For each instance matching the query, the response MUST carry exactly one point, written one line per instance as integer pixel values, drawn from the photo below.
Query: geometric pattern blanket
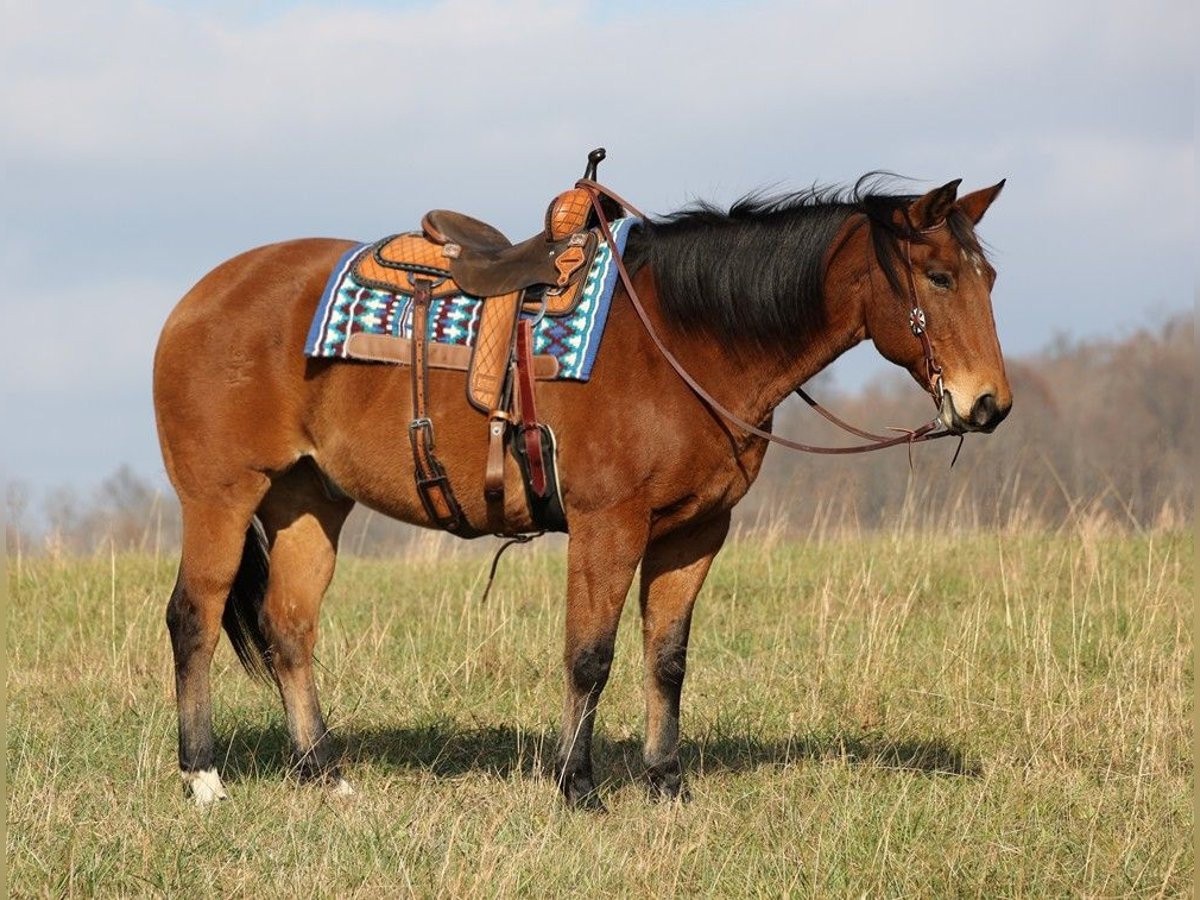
(348, 308)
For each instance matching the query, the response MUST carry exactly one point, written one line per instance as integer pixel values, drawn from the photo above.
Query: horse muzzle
(986, 413)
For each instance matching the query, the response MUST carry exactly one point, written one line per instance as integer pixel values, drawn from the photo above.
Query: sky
(143, 143)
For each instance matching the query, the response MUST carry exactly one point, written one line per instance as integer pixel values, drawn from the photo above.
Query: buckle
(441, 479)
(536, 318)
(419, 280)
(936, 384)
(423, 424)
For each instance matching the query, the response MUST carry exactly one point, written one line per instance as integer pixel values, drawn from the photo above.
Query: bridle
(916, 323)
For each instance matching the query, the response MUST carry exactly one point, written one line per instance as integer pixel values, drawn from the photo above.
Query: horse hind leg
(302, 525)
(673, 571)
(219, 558)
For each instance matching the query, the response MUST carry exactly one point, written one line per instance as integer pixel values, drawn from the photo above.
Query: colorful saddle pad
(347, 308)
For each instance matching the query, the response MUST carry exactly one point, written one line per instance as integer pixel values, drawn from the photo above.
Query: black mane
(757, 272)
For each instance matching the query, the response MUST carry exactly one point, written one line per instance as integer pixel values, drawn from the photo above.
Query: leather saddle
(457, 254)
(460, 254)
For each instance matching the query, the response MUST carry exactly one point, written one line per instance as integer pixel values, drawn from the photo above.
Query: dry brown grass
(998, 713)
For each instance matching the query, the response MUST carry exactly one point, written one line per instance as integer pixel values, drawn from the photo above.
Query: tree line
(1103, 430)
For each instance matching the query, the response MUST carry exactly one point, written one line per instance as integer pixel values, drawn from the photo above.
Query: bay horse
(752, 302)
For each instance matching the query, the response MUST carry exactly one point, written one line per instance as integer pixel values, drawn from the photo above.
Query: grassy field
(877, 715)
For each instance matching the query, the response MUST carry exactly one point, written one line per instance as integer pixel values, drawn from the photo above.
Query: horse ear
(976, 203)
(932, 209)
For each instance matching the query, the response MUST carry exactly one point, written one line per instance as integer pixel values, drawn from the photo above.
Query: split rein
(916, 322)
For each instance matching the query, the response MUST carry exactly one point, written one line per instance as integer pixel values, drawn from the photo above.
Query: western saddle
(456, 254)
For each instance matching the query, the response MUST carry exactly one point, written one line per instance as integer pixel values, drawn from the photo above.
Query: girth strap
(433, 486)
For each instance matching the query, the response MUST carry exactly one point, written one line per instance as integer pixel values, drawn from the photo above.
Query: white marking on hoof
(342, 789)
(205, 786)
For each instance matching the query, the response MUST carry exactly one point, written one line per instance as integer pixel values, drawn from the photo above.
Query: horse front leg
(673, 571)
(603, 554)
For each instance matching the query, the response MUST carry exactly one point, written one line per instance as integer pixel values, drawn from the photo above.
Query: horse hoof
(579, 792)
(588, 802)
(341, 788)
(667, 787)
(679, 793)
(204, 787)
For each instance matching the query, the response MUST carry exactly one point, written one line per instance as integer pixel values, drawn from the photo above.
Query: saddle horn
(612, 209)
(593, 163)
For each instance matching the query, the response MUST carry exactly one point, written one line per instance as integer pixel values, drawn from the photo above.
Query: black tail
(241, 616)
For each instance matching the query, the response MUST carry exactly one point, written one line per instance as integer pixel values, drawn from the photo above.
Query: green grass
(878, 715)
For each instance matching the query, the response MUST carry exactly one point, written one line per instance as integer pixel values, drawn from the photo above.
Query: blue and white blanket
(347, 308)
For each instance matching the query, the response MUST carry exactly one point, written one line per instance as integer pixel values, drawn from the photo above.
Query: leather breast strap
(433, 485)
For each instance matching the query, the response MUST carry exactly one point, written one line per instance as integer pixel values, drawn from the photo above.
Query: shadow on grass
(447, 749)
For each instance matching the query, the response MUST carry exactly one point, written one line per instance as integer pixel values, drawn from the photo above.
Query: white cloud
(123, 82)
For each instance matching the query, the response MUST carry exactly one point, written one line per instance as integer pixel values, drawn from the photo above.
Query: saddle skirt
(365, 311)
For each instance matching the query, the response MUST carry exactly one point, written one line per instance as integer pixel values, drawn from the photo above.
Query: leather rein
(916, 322)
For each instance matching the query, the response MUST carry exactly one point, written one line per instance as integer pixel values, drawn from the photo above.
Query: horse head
(938, 273)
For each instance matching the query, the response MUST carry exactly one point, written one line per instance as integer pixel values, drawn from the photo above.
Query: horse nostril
(986, 414)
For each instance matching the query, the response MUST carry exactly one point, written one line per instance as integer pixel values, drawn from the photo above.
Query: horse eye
(941, 280)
